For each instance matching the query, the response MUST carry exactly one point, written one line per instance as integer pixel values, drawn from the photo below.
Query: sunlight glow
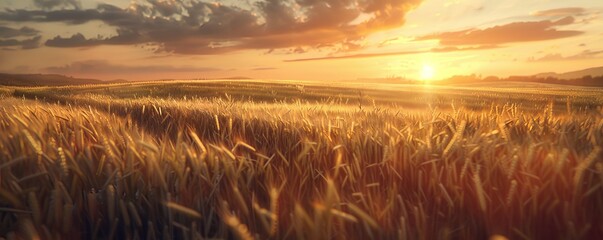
(427, 73)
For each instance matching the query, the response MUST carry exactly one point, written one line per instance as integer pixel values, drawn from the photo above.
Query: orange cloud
(367, 55)
(508, 33)
(370, 55)
(560, 12)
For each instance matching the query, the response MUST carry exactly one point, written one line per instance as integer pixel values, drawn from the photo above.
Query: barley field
(283, 160)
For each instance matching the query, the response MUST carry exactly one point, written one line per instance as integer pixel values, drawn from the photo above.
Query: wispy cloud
(560, 12)
(364, 55)
(507, 33)
(371, 55)
(101, 67)
(586, 54)
(264, 69)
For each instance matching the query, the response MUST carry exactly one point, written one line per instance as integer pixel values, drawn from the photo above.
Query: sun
(427, 73)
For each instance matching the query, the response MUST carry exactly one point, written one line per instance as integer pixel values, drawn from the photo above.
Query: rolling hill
(593, 72)
(28, 80)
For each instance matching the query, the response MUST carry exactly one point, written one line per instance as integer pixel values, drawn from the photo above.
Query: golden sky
(299, 39)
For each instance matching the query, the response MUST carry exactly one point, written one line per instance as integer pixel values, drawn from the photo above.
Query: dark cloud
(586, 54)
(30, 43)
(204, 27)
(101, 67)
(508, 33)
(50, 4)
(78, 40)
(7, 32)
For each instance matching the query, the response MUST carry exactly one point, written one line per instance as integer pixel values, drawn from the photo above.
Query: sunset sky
(299, 39)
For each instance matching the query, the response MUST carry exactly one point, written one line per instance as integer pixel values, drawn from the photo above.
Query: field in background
(280, 160)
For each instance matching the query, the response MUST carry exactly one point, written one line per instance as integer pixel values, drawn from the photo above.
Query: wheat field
(259, 160)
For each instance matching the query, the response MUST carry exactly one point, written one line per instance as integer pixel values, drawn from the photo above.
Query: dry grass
(101, 167)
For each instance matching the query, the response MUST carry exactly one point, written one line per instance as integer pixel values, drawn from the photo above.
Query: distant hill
(592, 77)
(593, 72)
(586, 81)
(389, 80)
(30, 80)
(236, 78)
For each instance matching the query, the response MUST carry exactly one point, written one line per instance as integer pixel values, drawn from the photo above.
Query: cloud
(49, 4)
(207, 27)
(353, 56)
(470, 48)
(264, 69)
(104, 67)
(7, 32)
(508, 33)
(586, 54)
(78, 40)
(30, 43)
(560, 12)
(371, 55)
(388, 42)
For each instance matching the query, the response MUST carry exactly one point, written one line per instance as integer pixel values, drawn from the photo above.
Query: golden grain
(240, 229)
(88, 164)
(479, 191)
(183, 210)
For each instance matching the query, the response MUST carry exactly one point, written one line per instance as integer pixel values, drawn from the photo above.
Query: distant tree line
(583, 81)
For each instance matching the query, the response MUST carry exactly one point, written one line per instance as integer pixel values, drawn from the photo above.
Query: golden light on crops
(241, 159)
(291, 119)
